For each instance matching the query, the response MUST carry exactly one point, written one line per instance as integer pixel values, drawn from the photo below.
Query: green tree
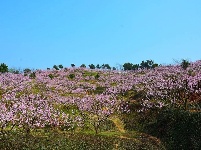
(72, 65)
(32, 75)
(113, 68)
(13, 70)
(98, 66)
(55, 67)
(184, 64)
(106, 66)
(135, 67)
(3, 68)
(128, 66)
(154, 65)
(92, 66)
(147, 64)
(60, 66)
(83, 66)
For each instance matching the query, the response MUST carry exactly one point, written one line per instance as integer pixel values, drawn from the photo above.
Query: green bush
(71, 76)
(51, 76)
(178, 129)
(3, 68)
(75, 141)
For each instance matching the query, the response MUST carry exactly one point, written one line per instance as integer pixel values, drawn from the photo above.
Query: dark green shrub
(32, 75)
(26, 71)
(13, 70)
(91, 66)
(55, 67)
(185, 64)
(3, 68)
(83, 66)
(60, 66)
(51, 76)
(99, 90)
(97, 76)
(178, 129)
(71, 76)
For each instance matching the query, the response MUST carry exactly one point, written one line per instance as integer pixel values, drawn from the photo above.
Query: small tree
(32, 75)
(106, 66)
(184, 64)
(27, 71)
(56, 67)
(154, 66)
(92, 66)
(13, 70)
(128, 66)
(3, 68)
(83, 66)
(113, 68)
(98, 66)
(72, 65)
(135, 67)
(60, 66)
(71, 76)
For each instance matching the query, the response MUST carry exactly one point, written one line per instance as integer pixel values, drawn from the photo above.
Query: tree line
(148, 64)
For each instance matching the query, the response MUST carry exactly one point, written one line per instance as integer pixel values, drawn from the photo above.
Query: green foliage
(51, 76)
(76, 141)
(71, 76)
(60, 66)
(13, 70)
(26, 71)
(98, 66)
(113, 68)
(184, 64)
(154, 66)
(72, 65)
(148, 64)
(3, 68)
(55, 67)
(91, 66)
(177, 128)
(89, 73)
(83, 66)
(128, 66)
(99, 90)
(105, 66)
(32, 75)
(97, 76)
(135, 67)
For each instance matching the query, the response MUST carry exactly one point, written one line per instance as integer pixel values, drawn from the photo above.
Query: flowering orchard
(73, 98)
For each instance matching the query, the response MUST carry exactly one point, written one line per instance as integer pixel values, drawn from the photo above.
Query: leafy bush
(185, 64)
(3, 68)
(51, 76)
(177, 128)
(71, 76)
(56, 67)
(97, 76)
(32, 75)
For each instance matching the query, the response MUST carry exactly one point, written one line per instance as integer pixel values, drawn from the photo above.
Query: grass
(76, 141)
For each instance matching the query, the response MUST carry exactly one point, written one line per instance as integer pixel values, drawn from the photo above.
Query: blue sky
(40, 33)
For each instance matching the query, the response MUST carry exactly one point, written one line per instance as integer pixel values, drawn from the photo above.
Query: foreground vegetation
(80, 108)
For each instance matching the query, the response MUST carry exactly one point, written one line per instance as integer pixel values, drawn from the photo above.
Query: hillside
(97, 103)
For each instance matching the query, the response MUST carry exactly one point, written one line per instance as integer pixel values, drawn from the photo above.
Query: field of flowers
(80, 99)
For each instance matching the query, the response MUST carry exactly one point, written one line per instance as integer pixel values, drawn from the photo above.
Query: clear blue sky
(40, 33)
